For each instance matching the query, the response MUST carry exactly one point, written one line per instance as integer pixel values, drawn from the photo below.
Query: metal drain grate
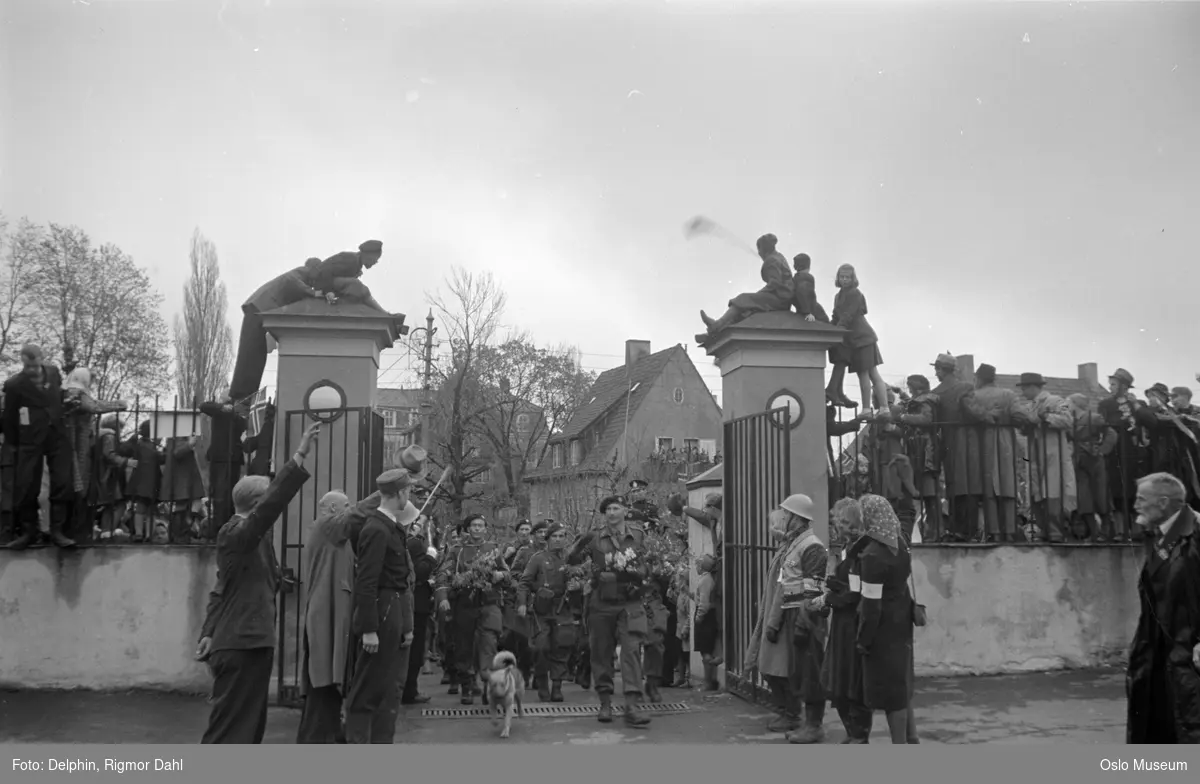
(554, 711)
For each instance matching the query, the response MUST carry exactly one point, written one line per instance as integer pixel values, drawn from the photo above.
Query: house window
(576, 452)
(597, 434)
(692, 447)
(412, 416)
(664, 444)
(391, 418)
(522, 422)
(708, 447)
(678, 396)
(484, 477)
(556, 455)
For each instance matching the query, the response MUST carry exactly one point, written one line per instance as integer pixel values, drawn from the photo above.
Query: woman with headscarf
(860, 351)
(841, 673)
(108, 481)
(770, 648)
(885, 618)
(80, 408)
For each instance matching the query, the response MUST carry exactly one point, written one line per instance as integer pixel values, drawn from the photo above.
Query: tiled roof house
(653, 402)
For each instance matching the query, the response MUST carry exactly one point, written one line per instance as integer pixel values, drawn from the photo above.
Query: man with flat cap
(341, 274)
(383, 614)
(252, 350)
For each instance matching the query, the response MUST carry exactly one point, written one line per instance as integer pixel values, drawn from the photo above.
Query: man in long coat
(992, 409)
(1051, 461)
(960, 451)
(1122, 412)
(34, 436)
(329, 577)
(252, 350)
(225, 459)
(1162, 682)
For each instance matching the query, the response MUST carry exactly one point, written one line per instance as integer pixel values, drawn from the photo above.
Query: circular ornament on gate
(324, 401)
(791, 401)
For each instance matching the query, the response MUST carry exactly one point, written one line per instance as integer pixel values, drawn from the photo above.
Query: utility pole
(427, 384)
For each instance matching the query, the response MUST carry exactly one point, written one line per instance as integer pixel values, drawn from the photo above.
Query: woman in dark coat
(143, 485)
(182, 485)
(841, 674)
(775, 295)
(860, 350)
(885, 617)
(108, 476)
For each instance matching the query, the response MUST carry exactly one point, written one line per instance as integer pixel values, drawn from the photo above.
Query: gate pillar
(776, 360)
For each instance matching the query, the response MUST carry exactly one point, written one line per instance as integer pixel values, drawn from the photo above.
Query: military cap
(371, 246)
(637, 484)
(521, 522)
(466, 523)
(554, 528)
(607, 502)
(393, 481)
(541, 525)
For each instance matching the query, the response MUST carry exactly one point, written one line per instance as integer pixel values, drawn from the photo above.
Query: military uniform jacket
(460, 560)
(598, 546)
(543, 587)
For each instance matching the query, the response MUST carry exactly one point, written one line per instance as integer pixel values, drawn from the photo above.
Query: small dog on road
(504, 692)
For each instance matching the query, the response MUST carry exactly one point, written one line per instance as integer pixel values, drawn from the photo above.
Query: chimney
(966, 368)
(1089, 374)
(635, 350)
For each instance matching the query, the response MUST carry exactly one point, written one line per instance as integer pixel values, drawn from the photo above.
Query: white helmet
(799, 505)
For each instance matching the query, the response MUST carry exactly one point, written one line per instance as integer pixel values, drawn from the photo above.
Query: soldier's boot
(556, 694)
(467, 697)
(813, 730)
(453, 689)
(605, 715)
(58, 537)
(584, 678)
(633, 716)
(24, 538)
(543, 688)
(652, 692)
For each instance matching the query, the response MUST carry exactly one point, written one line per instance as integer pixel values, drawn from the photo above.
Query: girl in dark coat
(885, 617)
(108, 483)
(841, 674)
(860, 350)
(145, 480)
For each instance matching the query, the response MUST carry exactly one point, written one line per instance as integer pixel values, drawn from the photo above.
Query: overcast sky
(1016, 181)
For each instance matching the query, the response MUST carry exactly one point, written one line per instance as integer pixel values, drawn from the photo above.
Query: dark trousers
(656, 640)
(27, 485)
(553, 641)
(251, 357)
(608, 626)
(321, 719)
(373, 697)
(476, 640)
(673, 647)
(856, 718)
(241, 687)
(221, 479)
(416, 655)
(964, 516)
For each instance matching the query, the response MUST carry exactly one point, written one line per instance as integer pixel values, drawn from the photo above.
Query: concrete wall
(104, 617)
(128, 617)
(1016, 609)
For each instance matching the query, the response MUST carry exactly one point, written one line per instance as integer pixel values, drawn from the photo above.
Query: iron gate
(348, 457)
(757, 478)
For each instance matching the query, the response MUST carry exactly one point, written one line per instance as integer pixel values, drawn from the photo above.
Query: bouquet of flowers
(480, 576)
(663, 557)
(625, 561)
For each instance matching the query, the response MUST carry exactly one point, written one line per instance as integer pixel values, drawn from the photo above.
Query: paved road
(1062, 707)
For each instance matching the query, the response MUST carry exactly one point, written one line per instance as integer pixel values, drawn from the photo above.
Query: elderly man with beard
(544, 590)
(238, 636)
(1163, 678)
(329, 579)
(478, 620)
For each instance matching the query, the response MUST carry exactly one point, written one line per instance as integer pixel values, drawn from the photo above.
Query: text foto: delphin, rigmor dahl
(90, 766)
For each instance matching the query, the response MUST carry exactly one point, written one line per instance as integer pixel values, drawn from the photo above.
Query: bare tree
(15, 251)
(203, 339)
(470, 314)
(95, 307)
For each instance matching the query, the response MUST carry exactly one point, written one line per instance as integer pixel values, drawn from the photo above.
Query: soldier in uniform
(615, 612)
(517, 634)
(641, 509)
(544, 590)
(476, 618)
(660, 623)
(383, 614)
